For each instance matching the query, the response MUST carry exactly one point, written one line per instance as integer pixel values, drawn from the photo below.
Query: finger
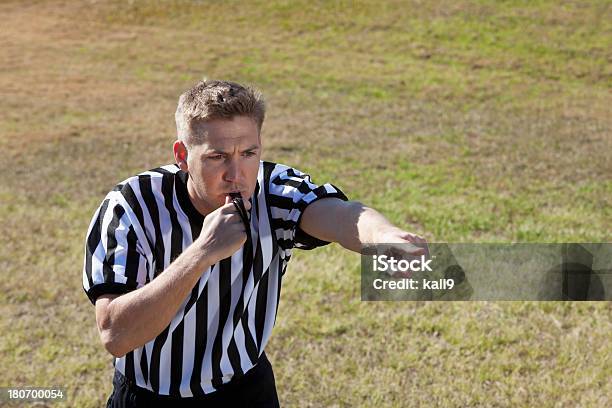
(426, 247)
(412, 237)
(247, 203)
(229, 209)
(419, 241)
(409, 249)
(229, 205)
(414, 249)
(238, 226)
(235, 217)
(422, 242)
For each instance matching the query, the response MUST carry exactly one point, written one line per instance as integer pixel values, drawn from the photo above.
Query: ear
(180, 155)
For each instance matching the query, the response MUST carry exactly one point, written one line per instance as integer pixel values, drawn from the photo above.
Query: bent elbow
(107, 327)
(113, 345)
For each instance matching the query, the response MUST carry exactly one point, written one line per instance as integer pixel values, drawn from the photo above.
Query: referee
(184, 263)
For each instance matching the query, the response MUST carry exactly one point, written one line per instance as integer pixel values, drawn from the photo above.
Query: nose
(232, 171)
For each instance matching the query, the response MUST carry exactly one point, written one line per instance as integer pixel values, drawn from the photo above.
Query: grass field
(475, 121)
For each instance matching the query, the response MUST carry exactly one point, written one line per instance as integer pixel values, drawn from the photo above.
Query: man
(185, 294)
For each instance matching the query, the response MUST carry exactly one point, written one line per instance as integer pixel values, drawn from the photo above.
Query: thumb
(228, 199)
(247, 204)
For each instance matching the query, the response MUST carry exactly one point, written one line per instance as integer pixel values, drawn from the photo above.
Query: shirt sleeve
(291, 191)
(114, 261)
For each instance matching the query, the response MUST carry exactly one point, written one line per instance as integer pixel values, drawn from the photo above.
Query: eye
(216, 157)
(249, 154)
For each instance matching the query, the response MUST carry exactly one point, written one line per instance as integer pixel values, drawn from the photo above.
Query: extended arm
(351, 224)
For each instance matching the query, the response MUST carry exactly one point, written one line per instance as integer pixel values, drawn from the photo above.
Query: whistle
(239, 204)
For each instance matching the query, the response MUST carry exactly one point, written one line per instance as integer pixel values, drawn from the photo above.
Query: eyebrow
(218, 151)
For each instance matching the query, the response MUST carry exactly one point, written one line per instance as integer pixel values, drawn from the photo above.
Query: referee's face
(223, 158)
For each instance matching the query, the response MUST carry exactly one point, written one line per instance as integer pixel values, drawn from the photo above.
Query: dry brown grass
(503, 135)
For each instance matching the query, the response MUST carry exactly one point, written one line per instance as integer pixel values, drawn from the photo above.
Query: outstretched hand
(401, 244)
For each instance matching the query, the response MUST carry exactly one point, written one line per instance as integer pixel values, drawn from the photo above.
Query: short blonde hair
(213, 99)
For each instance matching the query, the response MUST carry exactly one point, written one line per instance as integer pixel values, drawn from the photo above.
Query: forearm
(361, 225)
(139, 316)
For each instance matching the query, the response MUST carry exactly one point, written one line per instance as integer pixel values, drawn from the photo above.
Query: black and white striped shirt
(223, 326)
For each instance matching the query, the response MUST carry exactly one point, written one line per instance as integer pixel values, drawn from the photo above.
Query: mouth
(233, 193)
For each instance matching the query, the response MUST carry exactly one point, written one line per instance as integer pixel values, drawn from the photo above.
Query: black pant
(255, 389)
